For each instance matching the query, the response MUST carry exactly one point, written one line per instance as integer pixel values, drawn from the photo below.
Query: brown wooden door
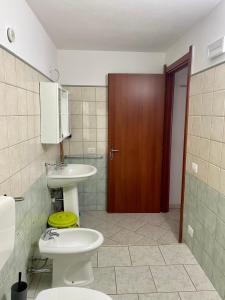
(136, 117)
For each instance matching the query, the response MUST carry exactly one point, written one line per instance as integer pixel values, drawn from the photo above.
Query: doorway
(174, 151)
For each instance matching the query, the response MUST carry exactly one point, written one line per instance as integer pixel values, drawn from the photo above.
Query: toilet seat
(71, 293)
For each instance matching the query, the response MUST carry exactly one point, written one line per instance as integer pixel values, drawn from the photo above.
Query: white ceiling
(123, 25)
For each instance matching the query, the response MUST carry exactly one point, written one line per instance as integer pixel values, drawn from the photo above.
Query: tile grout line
(190, 277)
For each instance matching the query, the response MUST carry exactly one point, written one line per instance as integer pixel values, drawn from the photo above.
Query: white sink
(68, 177)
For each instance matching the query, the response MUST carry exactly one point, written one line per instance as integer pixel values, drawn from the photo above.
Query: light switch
(194, 167)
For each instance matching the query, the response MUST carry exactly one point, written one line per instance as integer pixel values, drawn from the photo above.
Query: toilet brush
(19, 289)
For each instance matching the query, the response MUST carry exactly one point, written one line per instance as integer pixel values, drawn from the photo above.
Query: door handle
(112, 151)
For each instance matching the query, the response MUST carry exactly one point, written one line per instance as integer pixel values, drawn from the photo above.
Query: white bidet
(71, 250)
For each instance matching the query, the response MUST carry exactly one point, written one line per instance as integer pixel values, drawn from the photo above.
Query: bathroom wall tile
(76, 148)
(101, 148)
(88, 93)
(222, 181)
(10, 68)
(20, 73)
(22, 101)
(101, 93)
(89, 108)
(3, 132)
(217, 129)
(206, 124)
(30, 103)
(208, 80)
(76, 122)
(16, 187)
(215, 152)
(218, 108)
(11, 100)
(196, 104)
(101, 108)
(102, 135)
(2, 70)
(4, 164)
(196, 126)
(89, 135)
(214, 176)
(30, 127)
(13, 130)
(207, 103)
(204, 149)
(89, 122)
(219, 82)
(196, 84)
(87, 146)
(76, 107)
(74, 93)
(77, 135)
(102, 122)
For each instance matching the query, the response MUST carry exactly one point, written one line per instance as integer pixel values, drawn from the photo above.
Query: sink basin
(69, 175)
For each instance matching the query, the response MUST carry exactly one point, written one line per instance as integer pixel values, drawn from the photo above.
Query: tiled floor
(141, 260)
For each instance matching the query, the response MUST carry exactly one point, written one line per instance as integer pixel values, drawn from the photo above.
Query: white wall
(203, 33)
(177, 144)
(92, 67)
(32, 44)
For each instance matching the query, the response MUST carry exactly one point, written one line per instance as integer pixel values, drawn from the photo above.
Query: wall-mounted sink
(68, 177)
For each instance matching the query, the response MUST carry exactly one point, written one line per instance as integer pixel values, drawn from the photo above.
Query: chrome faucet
(49, 234)
(56, 165)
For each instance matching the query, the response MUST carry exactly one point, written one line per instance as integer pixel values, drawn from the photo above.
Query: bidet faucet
(49, 234)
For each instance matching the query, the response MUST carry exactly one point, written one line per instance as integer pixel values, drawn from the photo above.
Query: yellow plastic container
(63, 219)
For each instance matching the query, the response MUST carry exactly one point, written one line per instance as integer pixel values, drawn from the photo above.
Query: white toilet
(71, 250)
(71, 293)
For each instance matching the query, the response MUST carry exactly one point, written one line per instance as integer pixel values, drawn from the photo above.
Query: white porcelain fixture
(68, 178)
(71, 293)
(7, 228)
(71, 250)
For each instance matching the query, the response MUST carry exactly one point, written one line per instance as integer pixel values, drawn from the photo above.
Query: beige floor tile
(154, 219)
(150, 231)
(124, 297)
(113, 256)
(109, 242)
(134, 280)
(171, 279)
(33, 285)
(146, 241)
(199, 278)
(168, 238)
(132, 224)
(159, 296)
(146, 255)
(126, 237)
(200, 296)
(107, 229)
(44, 283)
(104, 280)
(177, 254)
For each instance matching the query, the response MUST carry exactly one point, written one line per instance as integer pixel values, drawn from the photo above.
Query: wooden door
(136, 118)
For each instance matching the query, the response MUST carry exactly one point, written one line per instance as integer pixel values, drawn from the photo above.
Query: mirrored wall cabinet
(54, 113)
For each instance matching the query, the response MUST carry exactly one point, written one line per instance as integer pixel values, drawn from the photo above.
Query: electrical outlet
(190, 231)
(91, 150)
(195, 167)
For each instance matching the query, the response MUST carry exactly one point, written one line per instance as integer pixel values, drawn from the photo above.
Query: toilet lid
(71, 293)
